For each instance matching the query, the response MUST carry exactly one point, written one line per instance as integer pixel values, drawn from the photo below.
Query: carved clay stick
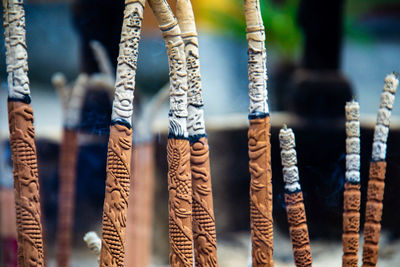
(72, 100)
(351, 194)
(377, 170)
(120, 140)
(178, 148)
(259, 140)
(22, 133)
(204, 235)
(295, 210)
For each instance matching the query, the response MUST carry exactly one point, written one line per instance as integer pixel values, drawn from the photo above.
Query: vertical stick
(377, 170)
(120, 140)
(23, 149)
(296, 213)
(178, 147)
(205, 241)
(259, 140)
(351, 194)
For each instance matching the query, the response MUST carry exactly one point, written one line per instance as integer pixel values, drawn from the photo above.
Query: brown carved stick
(376, 182)
(8, 229)
(120, 140)
(205, 242)
(178, 147)
(295, 210)
(351, 194)
(23, 148)
(259, 140)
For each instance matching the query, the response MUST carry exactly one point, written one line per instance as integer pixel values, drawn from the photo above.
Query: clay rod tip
(396, 74)
(58, 80)
(284, 126)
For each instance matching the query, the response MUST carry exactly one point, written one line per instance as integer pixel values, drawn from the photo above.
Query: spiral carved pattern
(373, 213)
(298, 229)
(205, 243)
(180, 203)
(66, 197)
(261, 192)
(26, 184)
(116, 196)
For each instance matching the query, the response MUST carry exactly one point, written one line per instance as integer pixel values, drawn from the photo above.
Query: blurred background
(320, 55)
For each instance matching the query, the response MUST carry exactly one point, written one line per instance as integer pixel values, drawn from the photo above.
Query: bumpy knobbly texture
(298, 229)
(66, 196)
(127, 61)
(26, 184)
(261, 192)
(180, 203)
(116, 196)
(289, 160)
(257, 67)
(373, 212)
(205, 243)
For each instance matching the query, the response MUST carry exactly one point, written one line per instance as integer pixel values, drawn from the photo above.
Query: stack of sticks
(191, 215)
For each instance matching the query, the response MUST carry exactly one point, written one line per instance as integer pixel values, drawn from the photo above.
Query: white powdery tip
(352, 110)
(391, 83)
(378, 151)
(352, 176)
(353, 145)
(383, 117)
(381, 133)
(352, 162)
(93, 242)
(293, 187)
(290, 174)
(387, 100)
(289, 158)
(353, 129)
(286, 139)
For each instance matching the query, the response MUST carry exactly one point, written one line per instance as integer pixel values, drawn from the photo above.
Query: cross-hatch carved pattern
(26, 184)
(203, 213)
(180, 203)
(260, 192)
(116, 198)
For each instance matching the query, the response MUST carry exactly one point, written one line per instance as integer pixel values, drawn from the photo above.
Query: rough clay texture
(184, 13)
(383, 118)
(16, 54)
(373, 212)
(298, 230)
(257, 67)
(177, 67)
(66, 196)
(127, 61)
(351, 224)
(8, 228)
(140, 208)
(180, 203)
(289, 160)
(261, 192)
(26, 184)
(204, 235)
(116, 196)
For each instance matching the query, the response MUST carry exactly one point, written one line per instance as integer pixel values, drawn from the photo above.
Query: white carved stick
(352, 142)
(289, 160)
(93, 242)
(257, 68)
(383, 118)
(102, 58)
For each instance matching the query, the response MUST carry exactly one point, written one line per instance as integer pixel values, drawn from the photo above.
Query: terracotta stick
(23, 149)
(120, 140)
(178, 147)
(296, 213)
(205, 243)
(259, 140)
(351, 194)
(376, 182)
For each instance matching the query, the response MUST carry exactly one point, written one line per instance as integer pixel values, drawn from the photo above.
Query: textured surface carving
(373, 212)
(66, 196)
(16, 54)
(180, 203)
(295, 210)
(383, 118)
(203, 212)
(257, 68)
(260, 192)
(116, 196)
(127, 61)
(351, 194)
(26, 184)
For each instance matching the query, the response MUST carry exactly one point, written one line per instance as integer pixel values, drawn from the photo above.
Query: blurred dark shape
(99, 20)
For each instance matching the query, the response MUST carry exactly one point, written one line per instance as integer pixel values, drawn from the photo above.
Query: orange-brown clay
(205, 243)
(298, 229)
(116, 196)
(351, 224)
(8, 228)
(180, 203)
(260, 192)
(26, 184)
(373, 213)
(66, 196)
(140, 209)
